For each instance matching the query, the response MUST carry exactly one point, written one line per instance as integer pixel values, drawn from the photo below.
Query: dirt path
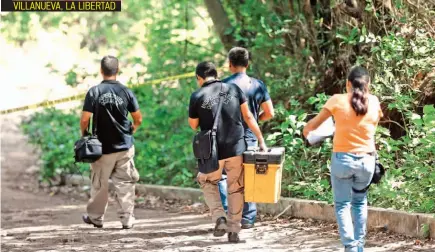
(32, 220)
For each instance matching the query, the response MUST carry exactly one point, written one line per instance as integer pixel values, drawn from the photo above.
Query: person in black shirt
(109, 103)
(231, 145)
(258, 98)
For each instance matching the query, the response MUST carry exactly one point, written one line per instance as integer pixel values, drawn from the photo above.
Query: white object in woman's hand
(325, 130)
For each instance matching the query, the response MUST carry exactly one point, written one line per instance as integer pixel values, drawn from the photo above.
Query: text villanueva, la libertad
(65, 5)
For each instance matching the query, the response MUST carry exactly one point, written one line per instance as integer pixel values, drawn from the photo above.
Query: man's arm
(268, 111)
(252, 124)
(316, 121)
(194, 123)
(193, 112)
(137, 119)
(133, 108)
(88, 108)
(84, 121)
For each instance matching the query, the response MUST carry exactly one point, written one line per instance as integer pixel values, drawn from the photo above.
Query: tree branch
(309, 16)
(352, 11)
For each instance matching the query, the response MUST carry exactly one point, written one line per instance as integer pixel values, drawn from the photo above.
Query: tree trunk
(291, 8)
(312, 33)
(221, 22)
(290, 47)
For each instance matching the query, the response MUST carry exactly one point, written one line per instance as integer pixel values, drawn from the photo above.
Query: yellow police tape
(81, 96)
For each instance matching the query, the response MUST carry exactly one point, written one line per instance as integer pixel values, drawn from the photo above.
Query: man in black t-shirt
(230, 141)
(109, 103)
(258, 98)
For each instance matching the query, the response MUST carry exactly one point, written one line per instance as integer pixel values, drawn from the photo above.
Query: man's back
(115, 101)
(203, 105)
(256, 93)
(109, 104)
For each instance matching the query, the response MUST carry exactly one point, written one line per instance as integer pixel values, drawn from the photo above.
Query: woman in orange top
(356, 116)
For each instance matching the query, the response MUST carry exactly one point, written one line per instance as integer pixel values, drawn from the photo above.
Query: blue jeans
(350, 175)
(249, 208)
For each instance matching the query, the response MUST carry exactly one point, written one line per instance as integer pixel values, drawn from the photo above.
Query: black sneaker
(127, 226)
(247, 225)
(221, 227)
(87, 220)
(233, 237)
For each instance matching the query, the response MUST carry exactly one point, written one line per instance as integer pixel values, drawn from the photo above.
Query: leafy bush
(55, 133)
(410, 181)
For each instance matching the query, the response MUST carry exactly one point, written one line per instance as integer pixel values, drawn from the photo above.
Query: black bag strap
(95, 115)
(218, 112)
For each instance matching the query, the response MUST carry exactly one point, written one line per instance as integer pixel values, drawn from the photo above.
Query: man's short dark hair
(206, 69)
(109, 65)
(239, 56)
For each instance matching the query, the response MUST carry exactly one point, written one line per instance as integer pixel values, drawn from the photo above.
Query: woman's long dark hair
(359, 78)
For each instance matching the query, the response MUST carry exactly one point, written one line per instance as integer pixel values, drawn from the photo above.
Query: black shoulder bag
(205, 146)
(378, 174)
(379, 171)
(89, 149)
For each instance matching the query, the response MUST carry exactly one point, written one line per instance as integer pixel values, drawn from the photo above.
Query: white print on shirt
(110, 98)
(213, 100)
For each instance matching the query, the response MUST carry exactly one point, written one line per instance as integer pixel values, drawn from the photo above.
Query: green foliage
(351, 38)
(55, 133)
(71, 78)
(425, 230)
(410, 182)
(160, 38)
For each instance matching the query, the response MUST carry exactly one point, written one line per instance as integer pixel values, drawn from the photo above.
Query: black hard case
(274, 155)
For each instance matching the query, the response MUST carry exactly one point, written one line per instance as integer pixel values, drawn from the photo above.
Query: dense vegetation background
(302, 49)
